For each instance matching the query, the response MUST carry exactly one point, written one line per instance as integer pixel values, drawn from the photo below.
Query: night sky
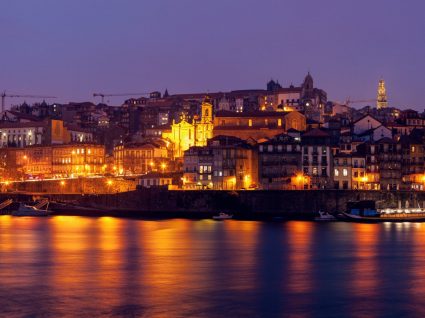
(71, 49)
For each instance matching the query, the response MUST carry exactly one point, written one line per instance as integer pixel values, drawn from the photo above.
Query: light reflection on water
(75, 266)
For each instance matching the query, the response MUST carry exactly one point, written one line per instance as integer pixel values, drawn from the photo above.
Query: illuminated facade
(226, 163)
(40, 162)
(381, 100)
(258, 124)
(41, 133)
(139, 158)
(78, 160)
(279, 159)
(184, 134)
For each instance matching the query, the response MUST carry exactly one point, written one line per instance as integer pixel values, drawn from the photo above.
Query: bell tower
(381, 100)
(206, 111)
(205, 126)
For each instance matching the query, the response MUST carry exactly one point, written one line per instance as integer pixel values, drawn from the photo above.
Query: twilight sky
(71, 49)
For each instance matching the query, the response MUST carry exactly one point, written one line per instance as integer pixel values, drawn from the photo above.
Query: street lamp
(62, 183)
(109, 183)
(163, 166)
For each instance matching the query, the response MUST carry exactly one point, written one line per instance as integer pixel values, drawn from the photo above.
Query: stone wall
(73, 186)
(250, 204)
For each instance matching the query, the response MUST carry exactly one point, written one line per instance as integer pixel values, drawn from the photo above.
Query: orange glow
(365, 238)
(299, 239)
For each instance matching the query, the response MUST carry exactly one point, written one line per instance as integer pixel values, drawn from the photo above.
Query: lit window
(344, 172)
(336, 173)
(250, 122)
(279, 122)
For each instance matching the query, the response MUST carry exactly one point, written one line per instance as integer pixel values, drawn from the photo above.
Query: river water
(66, 266)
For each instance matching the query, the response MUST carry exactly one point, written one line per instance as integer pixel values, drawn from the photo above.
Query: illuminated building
(185, 134)
(42, 133)
(138, 158)
(226, 163)
(279, 159)
(258, 124)
(389, 159)
(305, 98)
(41, 162)
(78, 159)
(156, 179)
(413, 154)
(317, 158)
(359, 177)
(342, 173)
(381, 100)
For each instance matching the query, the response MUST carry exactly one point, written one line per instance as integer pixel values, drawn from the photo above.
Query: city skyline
(74, 50)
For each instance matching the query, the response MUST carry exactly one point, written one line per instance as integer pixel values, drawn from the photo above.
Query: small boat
(325, 216)
(28, 210)
(365, 211)
(222, 216)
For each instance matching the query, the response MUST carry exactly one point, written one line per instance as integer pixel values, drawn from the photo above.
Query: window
(344, 172)
(279, 122)
(315, 172)
(336, 172)
(250, 122)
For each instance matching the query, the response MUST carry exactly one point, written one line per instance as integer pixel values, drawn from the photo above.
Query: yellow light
(62, 183)
(7, 183)
(163, 166)
(109, 182)
(25, 157)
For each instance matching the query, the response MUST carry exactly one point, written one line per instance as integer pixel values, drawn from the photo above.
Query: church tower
(205, 126)
(206, 110)
(381, 100)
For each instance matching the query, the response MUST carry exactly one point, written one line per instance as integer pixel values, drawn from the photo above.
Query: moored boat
(28, 210)
(365, 211)
(325, 216)
(222, 216)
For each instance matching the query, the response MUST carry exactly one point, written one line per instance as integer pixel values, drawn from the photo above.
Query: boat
(365, 211)
(29, 210)
(325, 216)
(222, 216)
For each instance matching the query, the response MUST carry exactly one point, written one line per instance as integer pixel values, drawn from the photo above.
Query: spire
(381, 100)
(166, 93)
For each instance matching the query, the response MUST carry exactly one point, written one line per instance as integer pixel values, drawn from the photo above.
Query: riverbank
(250, 205)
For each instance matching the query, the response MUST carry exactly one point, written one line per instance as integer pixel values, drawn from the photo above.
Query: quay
(255, 204)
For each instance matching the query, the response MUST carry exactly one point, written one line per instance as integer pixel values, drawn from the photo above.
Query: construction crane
(4, 95)
(348, 101)
(102, 95)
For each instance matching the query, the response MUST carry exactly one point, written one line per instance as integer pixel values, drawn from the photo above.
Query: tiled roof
(252, 114)
(316, 133)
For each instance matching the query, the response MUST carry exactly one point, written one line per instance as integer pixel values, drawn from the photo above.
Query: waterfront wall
(73, 186)
(289, 203)
(293, 204)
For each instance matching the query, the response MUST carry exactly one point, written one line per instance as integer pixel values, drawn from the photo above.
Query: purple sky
(71, 49)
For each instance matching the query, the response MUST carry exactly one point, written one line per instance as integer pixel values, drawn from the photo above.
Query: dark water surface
(108, 267)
